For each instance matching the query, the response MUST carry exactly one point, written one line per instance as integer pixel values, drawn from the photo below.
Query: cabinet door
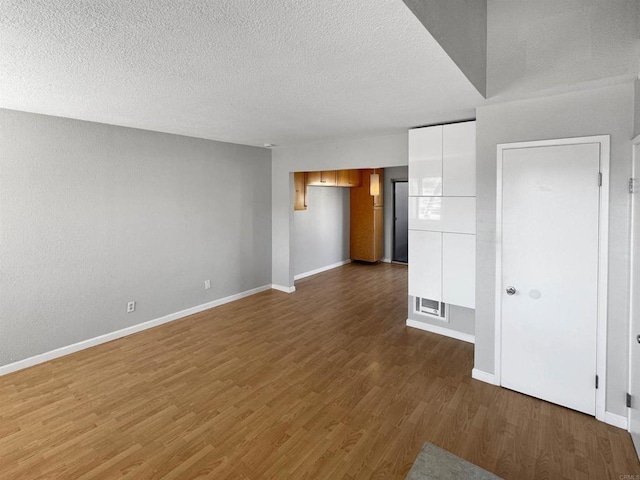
(300, 191)
(314, 178)
(362, 226)
(329, 178)
(343, 178)
(349, 178)
(459, 160)
(459, 269)
(443, 214)
(378, 233)
(425, 161)
(425, 264)
(355, 178)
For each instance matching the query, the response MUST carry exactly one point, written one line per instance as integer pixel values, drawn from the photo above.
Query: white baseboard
(107, 337)
(282, 288)
(386, 260)
(616, 420)
(321, 269)
(465, 337)
(485, 377)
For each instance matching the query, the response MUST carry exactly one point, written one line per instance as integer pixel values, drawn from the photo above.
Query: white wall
(607, 110)
(93, 215)
(550, 44)
(392, 173)
(385, 151)
(321, 232)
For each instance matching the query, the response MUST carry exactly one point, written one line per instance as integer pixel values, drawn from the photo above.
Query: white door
(549, 295)
(634, 353)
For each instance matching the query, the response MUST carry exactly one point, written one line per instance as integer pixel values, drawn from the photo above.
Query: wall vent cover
(432, 308)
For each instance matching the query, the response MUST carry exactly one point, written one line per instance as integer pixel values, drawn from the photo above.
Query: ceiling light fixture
(374, 184)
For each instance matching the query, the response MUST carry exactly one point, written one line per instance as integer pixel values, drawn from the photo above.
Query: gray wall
(549, 44)
(607, 110)
(92, 216)
(385, 151)
(320, 234)
(460, 27)
(392, 173)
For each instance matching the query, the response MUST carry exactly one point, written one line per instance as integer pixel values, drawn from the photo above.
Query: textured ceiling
(244, 71)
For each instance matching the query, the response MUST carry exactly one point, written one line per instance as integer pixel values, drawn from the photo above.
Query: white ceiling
(243, 71)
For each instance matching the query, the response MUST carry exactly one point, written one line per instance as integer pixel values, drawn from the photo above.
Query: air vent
(431, 308)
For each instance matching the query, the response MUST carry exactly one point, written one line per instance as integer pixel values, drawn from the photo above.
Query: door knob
(638, 338)
(511, 290)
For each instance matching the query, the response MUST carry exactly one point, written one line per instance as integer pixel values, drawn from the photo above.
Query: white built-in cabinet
(442, 213)
(425, 248)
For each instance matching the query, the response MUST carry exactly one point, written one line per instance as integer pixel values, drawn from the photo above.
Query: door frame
(635, 147)
(603, 259)
(393, 224)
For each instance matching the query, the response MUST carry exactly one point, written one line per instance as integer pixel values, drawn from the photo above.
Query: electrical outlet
(207, 284)
(131, 307)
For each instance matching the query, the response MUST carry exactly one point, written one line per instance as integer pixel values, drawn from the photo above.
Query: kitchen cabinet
(443, 214)
(442, 160)
(442, 267)
(300, 191)
(459, 160)
(459, 269)
(425, 264)
(349, 178)
(324, 178)
(367, 220)
(425, 161)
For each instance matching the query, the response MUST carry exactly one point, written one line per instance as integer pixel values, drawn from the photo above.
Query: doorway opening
(400, 253)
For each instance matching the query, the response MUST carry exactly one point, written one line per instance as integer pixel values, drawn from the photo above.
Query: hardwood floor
(323, 383)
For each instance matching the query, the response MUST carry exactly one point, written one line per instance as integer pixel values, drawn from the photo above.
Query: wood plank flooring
(325, 383)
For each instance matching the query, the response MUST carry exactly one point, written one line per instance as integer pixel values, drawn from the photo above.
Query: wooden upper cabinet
(324, 178)
(313, 178)
(300, 191)
(329, 178)
(349, 178)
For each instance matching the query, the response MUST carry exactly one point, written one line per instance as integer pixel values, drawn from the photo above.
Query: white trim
(635, 145)
(386, 260)
(465, 337)
(614, 419)
(497, 341)
(603, 258)
(321, 269)
(603, 279)
(107, 337)
(485, 377)
(282, 288)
